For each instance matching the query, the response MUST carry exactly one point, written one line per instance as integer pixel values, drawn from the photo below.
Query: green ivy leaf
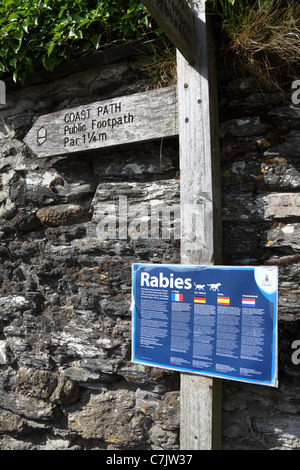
(35, 33)
(15, 45)
(96, 40)
(13, 62)
(50, 48)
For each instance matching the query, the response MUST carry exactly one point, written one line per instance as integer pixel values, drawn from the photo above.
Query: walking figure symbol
(41, 135)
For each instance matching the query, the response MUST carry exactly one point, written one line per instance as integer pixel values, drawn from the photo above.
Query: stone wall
(66, 379)
(260, 145)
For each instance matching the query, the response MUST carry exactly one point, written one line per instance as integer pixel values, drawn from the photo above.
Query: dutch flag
(248, 302)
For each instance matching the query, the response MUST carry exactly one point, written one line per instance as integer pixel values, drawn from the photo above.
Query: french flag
(177, 297)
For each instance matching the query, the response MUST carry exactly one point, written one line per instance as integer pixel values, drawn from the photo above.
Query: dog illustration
(214, 287)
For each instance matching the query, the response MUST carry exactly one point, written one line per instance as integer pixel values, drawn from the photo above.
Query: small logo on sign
(41, 135)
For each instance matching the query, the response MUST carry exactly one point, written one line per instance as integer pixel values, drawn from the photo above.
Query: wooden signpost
(200, 424)
(201, 401)
(123, 120)
(153, 115)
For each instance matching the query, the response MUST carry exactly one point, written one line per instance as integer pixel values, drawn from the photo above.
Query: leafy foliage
(260, 36)
(36, 33)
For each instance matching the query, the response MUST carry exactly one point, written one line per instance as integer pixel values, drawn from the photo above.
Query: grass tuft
(264, 38)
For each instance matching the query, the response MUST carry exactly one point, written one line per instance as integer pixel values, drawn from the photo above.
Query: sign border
(274, 368)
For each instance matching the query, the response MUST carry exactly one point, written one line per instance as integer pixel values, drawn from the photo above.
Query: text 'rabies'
(165, 282)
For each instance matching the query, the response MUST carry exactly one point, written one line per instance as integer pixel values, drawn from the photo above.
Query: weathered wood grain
(200, 222)
(176, 18)
(134, 118)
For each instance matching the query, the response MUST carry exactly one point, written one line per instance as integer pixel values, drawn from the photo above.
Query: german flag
(200, 300)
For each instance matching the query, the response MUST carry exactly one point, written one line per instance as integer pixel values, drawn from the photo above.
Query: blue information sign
(209, 320)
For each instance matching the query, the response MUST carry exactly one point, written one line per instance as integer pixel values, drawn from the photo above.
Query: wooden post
(200, 219)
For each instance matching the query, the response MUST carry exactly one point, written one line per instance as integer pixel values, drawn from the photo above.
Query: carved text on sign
(132, 118)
